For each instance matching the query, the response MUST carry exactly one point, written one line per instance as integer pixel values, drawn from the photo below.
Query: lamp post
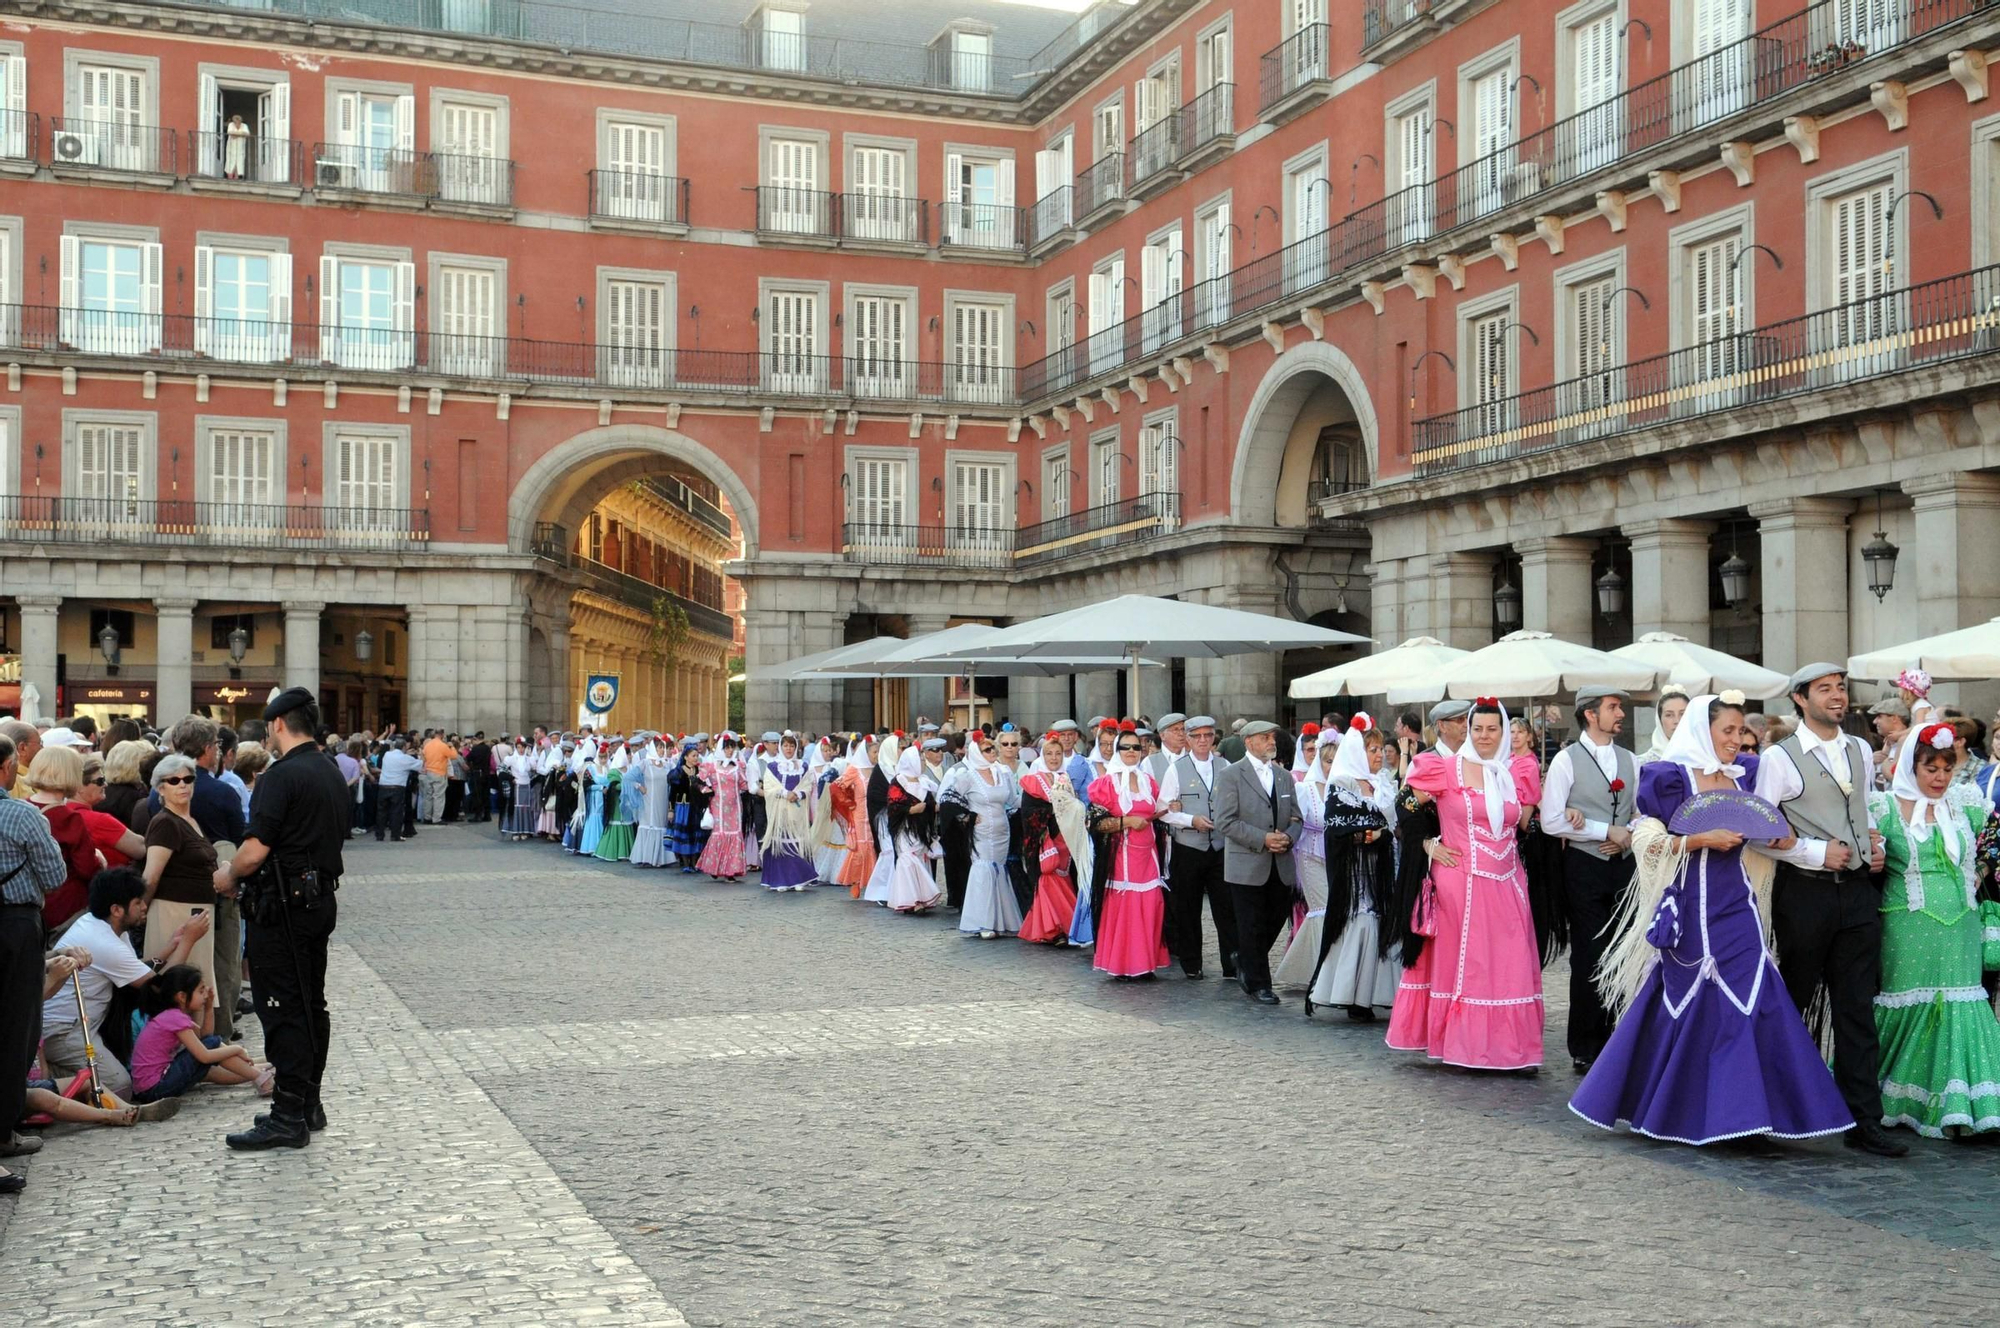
(1507, 606)
(107, 645)
(1880, 555)
(364, 646)
(239, 646)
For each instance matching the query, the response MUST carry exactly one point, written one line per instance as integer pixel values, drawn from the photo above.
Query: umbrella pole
(1132, 692)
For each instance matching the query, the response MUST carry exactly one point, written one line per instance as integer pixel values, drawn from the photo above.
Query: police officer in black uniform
(285, 873)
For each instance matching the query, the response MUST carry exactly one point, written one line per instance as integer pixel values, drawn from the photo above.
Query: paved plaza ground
(569, 1092)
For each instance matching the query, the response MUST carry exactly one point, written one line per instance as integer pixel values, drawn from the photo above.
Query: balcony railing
(551, 543)
(1297, 62)
(1100, 184)
(353, 167)
(479, 181)
(1381, 18)
(65, 520)
(676, 494)
(657, 200)
(883, 219)
(1109, 525)
(1051, 214)
(1953, 318)
(927, 546)
(784, 210)
(1208, 117)
(245, 158)
(20, 135)
(185, 340)
(1156, 147)
(983, 226)
(112, 145)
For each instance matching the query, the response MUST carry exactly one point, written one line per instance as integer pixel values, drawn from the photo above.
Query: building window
(111, 294)
(1155, 98)
(1590, 86)
(636, 160)
(1107, 315)
(374, 142)
(112, 104)
(1105, 460)
(878, 496)
(979, 201)
(1108, 129)
(1159, 456)
(242, 304)
(1307, 22)
(793, 198)
(782, 39)
(469, 138)
(1491, 183)
(367, 311)
(13, 102)
(467, 331)
(971, 61)
(1719, 76)
(1056, 474)
(1213, 260)
(1053, 195)
(1715, 282)
(1492, 364)
(1212, 57)
(245, 127)
(365, 476)
(1594, 315)
(1410, 168)
(242, 467)
(1306, 188)
(794, 342)
(878, 204)
(979, 504)
(638, 328)
(1162, 279)
(878, 342)
(109, 462)
(980, 361)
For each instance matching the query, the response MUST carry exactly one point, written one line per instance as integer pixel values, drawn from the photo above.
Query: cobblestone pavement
(575, 1092)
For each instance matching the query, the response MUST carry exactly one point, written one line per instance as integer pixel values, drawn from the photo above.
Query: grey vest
(1589, 791)
(1822, 811)
(1197, 799)
(1156, 764)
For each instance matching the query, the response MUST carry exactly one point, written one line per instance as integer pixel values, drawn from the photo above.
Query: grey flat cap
(1812, 673)
(1891, 705)
(927, 727)
(1171, 718)
(1063, 726)
(1590, 695)
(934, 744)
(1200, 722)
(1098, 722)
(1257, 726)
(770, 735)
(1444, 710)
(1144, 733)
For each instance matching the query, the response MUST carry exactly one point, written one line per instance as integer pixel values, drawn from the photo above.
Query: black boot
(315, 1118)
(283, 1127)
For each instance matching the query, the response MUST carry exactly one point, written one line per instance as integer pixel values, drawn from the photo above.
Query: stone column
(173, 653)
(1556, 594)
(927, 694)
(1670, 577)
(767, 643)
(421, 695)
(1461, 599)
(302, 645)
(39, 647)
(1805, 580)
(1385, 603)
(563, 702)
(1035, 703)
(1956, 565)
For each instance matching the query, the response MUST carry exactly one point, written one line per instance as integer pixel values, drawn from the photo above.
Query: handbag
(708, 820)
(1989, 927)
(1423, 916)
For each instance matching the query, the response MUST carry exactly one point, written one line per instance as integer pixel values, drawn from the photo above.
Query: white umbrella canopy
(1132, 624)
(1375, 674)
(794, 669)
(1969, 654)
(1701, 668)
(1529, 664)
(946, 653)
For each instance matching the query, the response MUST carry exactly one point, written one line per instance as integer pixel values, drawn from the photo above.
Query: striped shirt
(26, 843)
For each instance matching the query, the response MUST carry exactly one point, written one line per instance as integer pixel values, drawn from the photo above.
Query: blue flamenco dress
(1712, 1047)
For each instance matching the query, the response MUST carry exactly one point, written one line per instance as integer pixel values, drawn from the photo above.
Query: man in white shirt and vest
(1826, 906)
(1448, 722)
(1173, 744)
(1187, 791)
(1257, 814)
(1589, 801)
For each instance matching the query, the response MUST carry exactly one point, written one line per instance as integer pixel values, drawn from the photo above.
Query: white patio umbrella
(792, 670)
(1526, 664)
(1700, 668)
(1968, 654)
(1375, 674)
(1135, 625)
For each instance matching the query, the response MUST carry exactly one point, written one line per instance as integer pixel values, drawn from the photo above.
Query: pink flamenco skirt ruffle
(1129, 940)
(1053, 910)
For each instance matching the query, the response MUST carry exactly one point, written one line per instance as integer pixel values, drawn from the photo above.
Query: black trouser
(1829, 929)
(291, 997)
(410, 805)
(391, 806)
(1261, 911)
(1593, 886)
(20, 1007)
(480, 806)
(1197, 873)
(506, 791)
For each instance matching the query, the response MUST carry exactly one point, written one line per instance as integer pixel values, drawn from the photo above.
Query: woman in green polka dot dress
(1940, 1040)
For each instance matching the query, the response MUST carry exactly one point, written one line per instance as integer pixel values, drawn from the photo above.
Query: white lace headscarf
(1926, 814)
(1693, 747)
(1350, 759)
(1499, 773)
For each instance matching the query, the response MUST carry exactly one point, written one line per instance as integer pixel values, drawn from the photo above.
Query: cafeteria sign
(600, 692)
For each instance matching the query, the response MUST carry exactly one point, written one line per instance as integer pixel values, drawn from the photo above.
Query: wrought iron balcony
(474, 181)
(1106, 526)
(245, 158)
(32, 519)
(883, 219)
(992, 226)
(788, 213)
(387, 172)
(1208, 126)
(638, 197)
(1100, 188)
(20, 136)
(1953, 318)
(551, 543)
(1155, 150)
(1052, 214)
(112, 145)
(927, 546)
(1296, 73)
(1381, 19)
(676, 494)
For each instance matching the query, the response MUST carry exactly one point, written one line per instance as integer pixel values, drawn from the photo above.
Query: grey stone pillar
(1956, 566)
(39, 648)
(1035, 703)
(767, 643)
(173, 653)
(927, 694)
(1556, 594)
(1670, 577)
(1461, 599)
(1385, 603)
(1805, 580)
(302, 645)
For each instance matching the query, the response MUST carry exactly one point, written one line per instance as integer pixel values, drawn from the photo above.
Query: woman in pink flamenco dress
(723, 857)
(1473, 997)
(1123, 803)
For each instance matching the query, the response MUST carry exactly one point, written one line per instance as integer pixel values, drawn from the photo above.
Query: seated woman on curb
(178, 1047)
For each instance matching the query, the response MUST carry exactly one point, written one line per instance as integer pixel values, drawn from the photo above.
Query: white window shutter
(204, 277)
(281, 114)
(281, 291)
(406, 123)
(1004, 186)
(71, 283)
(329, 307)
(17, 84)
(347, 118)
(150, 264)
(954, 173)
(1046, 180)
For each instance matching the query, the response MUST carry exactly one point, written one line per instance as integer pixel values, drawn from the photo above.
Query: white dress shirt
(1561, 778)
(1263, 769)
(1170, 788)
(1779, 781)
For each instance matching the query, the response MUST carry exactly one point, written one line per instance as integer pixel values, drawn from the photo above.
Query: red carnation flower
(1617, 786)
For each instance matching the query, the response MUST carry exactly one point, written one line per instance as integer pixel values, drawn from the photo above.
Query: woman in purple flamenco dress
(1709, 1045)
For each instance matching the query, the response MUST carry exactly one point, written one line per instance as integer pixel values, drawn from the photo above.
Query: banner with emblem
(600, 692)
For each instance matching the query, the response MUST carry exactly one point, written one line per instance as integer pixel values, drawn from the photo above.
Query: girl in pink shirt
(178, 1048)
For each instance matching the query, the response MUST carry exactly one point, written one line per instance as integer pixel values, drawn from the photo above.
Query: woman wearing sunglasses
(1131, 910)
(180, 866)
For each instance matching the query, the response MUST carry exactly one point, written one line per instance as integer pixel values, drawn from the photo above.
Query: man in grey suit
(1257, 815)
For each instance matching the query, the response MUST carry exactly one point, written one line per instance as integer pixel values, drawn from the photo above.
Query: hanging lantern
(1735, 581)
(1507, 608)
(1611, 593)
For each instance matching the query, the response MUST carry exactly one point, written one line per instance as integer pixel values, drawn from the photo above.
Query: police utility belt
(272, 894)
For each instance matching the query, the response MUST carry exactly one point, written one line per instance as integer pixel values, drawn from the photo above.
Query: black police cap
(285, 702)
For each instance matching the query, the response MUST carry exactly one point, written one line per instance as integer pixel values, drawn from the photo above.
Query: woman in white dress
(888, 756)
(525, 811)
(912, 810)
(991, 908)
(829, 839)
(235, 149)
(1309, 857)
(1359, 967)
(650, 845)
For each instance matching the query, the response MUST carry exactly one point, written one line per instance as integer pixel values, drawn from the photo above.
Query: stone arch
(569, 480)
(1291, 381)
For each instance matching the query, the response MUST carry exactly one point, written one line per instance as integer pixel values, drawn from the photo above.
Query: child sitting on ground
(46, 1102)
(178, 1047)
